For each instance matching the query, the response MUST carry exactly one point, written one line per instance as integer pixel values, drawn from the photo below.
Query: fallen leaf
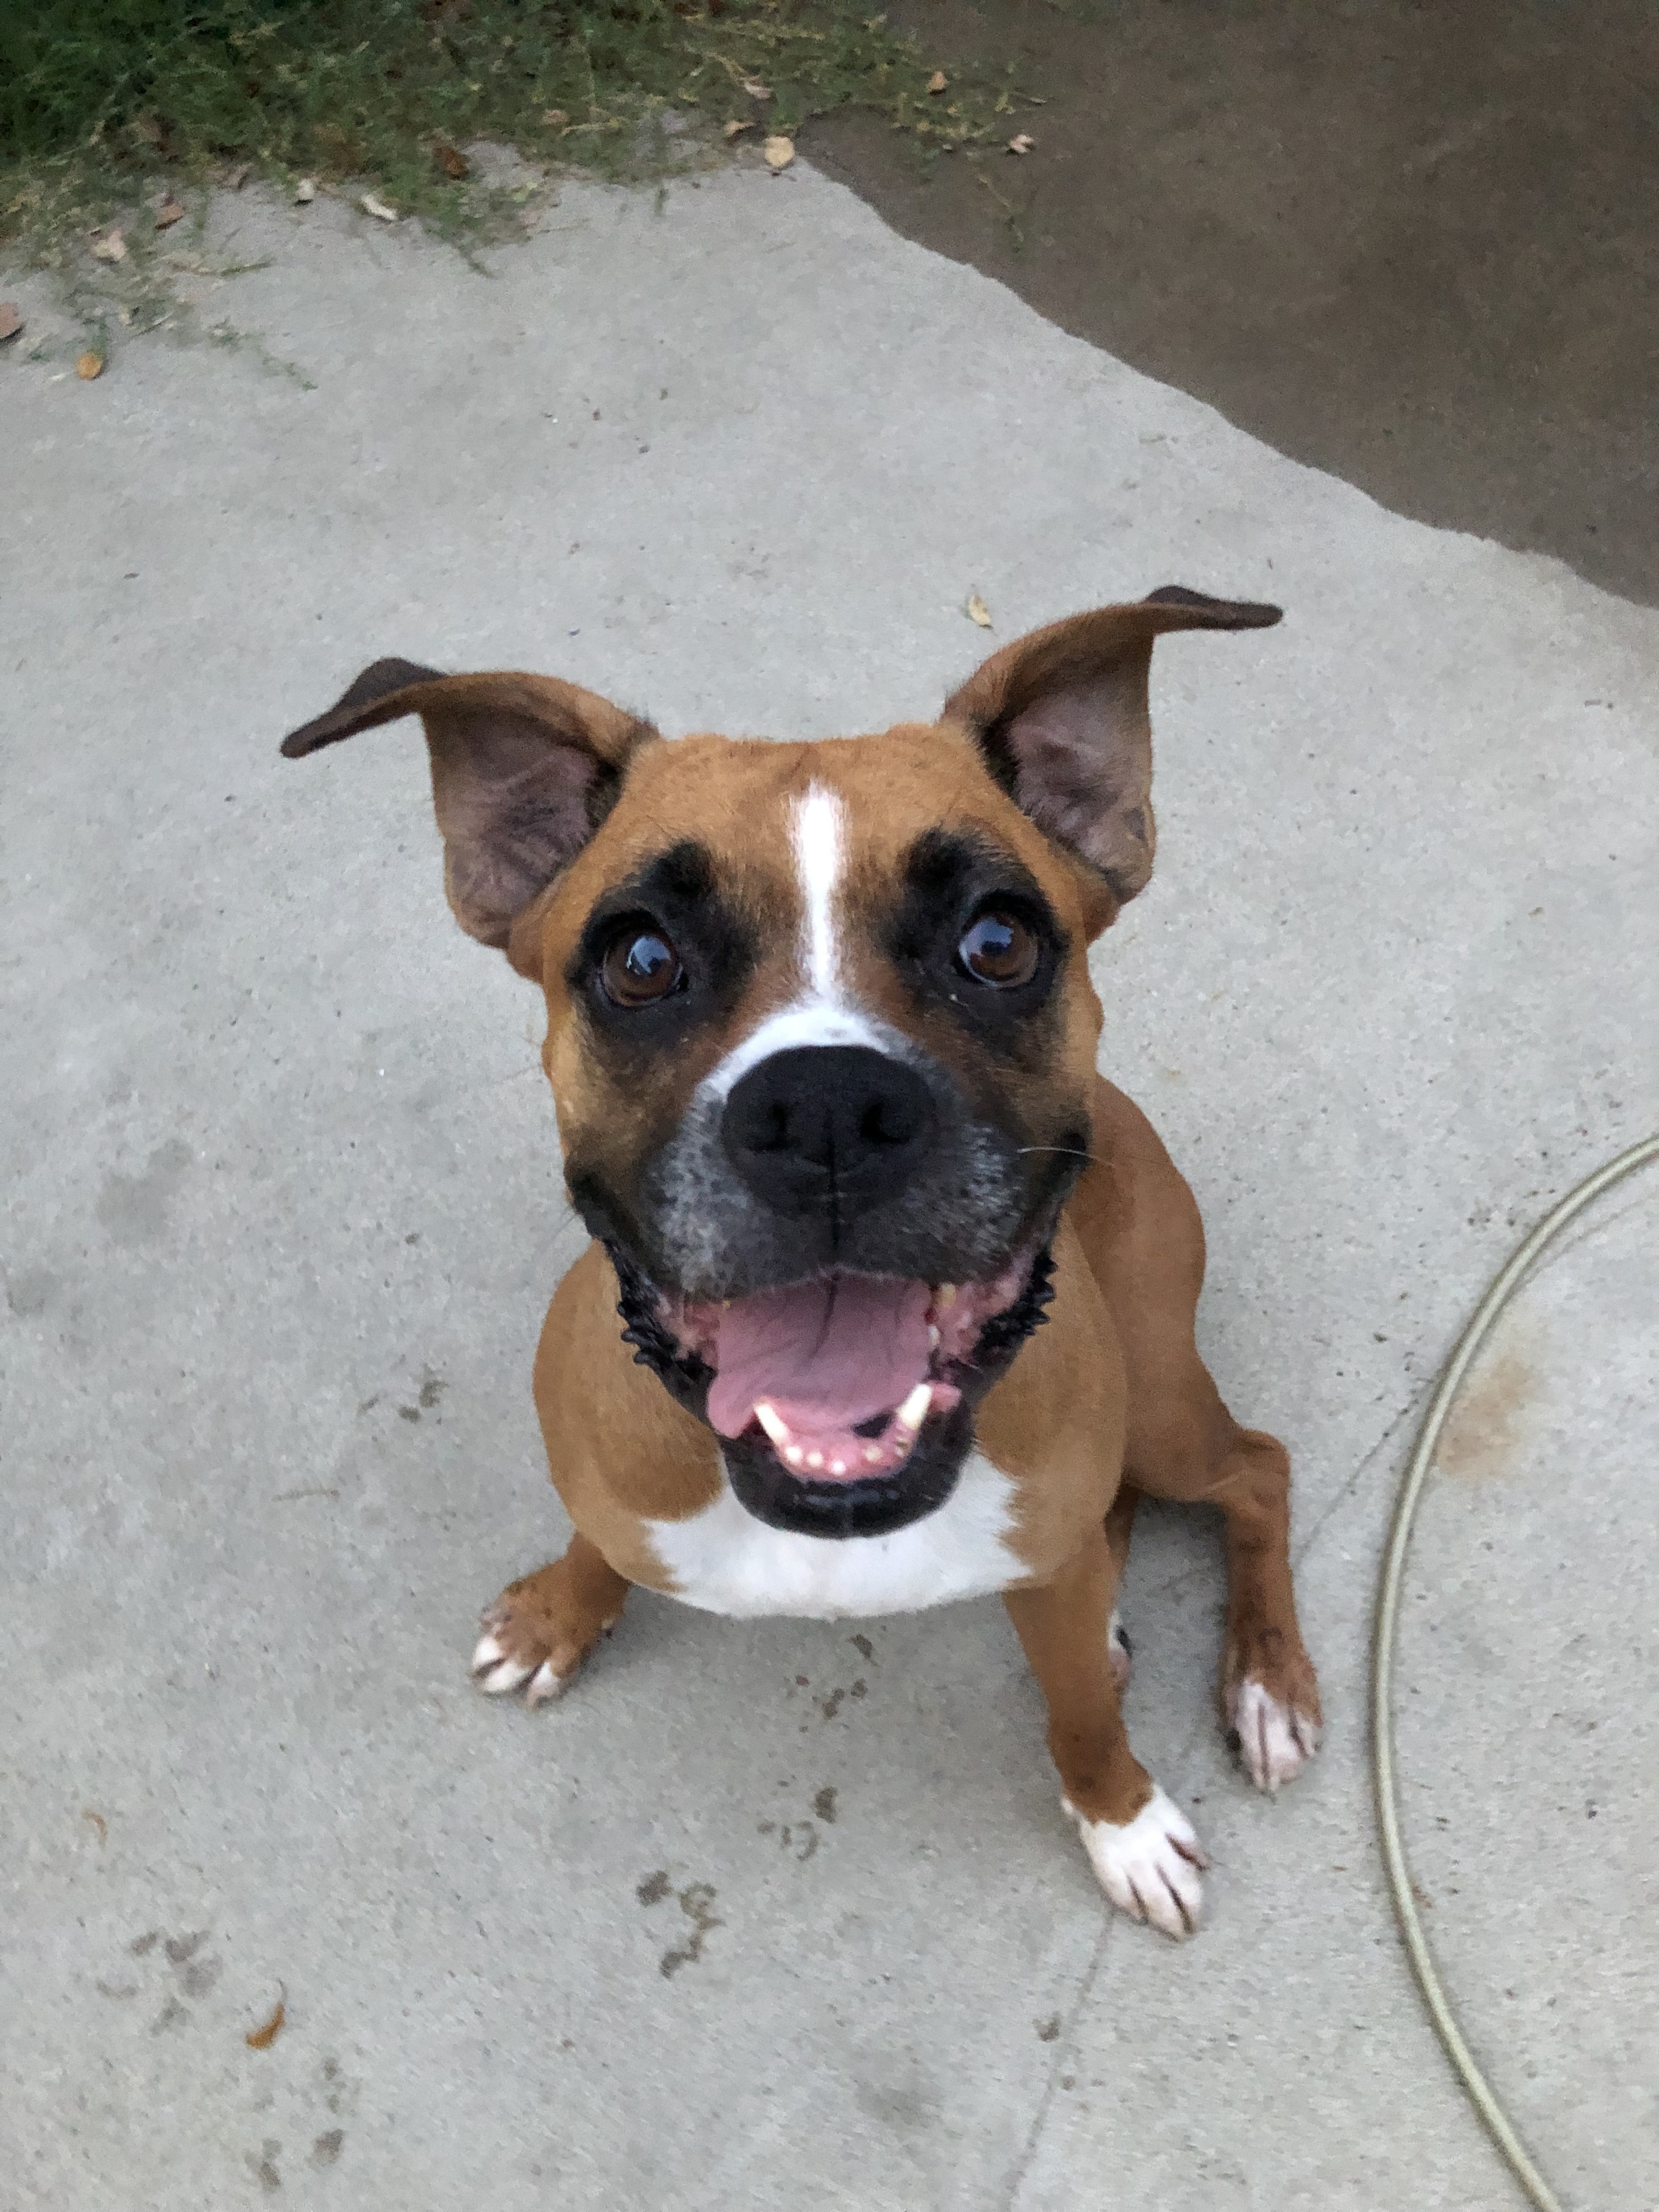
(305, 190)
(378, 209)
(99, 1822)
(168, 213)
(11, 321)
(937, 82)
(111, 246)
(88, 365)
(555, 116)
(451, 160)
(977, 610)
(780, 153)
(1021, 143)
(234, 180)
(731, 129)
(262, 2037)
(756, 89)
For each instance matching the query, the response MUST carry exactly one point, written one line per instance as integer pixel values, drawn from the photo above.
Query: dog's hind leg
(1140, 1229)
(1140, 1844)
(542, 1627)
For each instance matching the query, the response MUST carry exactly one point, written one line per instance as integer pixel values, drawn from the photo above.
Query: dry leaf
(731, 129)
(937, 82)
(451, 160)
(780, 153)
(305, 190)
(99, 1822)
(11, 321)
(168, 213)
(111, 246)
(88, 365)
(1021, 143)
(756, 89)
(378, 209)
(234, 180)
(556, 117)
(261, 2038)
(978, 611)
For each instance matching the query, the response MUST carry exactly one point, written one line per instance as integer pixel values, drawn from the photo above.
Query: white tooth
(837, 1467)
(794, 1455)
(772, 1421)
(872, 1455)
(932, 1338)
(913, 1412)
(945, 1296)
(815, 1459)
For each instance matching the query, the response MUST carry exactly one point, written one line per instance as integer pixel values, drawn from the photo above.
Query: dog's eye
(999, 948)
(640, 967)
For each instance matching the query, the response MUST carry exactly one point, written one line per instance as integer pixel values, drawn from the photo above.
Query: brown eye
(640, 967)
(999, 949)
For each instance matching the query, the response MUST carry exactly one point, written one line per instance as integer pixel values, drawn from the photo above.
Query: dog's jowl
(890, 1299)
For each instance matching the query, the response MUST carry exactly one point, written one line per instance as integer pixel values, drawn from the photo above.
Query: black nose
(828, 1129)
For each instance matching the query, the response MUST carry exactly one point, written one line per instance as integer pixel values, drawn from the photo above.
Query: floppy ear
(524, 770)
(1060, 718)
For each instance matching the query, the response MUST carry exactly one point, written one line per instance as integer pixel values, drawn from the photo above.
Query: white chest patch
(723, 1560)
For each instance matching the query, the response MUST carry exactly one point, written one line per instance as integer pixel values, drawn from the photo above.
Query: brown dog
(822, 1041)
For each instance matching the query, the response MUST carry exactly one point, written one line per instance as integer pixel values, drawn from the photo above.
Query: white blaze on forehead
(823, 1014)
(816, 827)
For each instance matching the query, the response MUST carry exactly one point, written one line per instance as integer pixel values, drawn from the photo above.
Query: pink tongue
(826, 1355)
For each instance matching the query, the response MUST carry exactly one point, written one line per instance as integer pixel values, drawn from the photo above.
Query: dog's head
(820, 1029)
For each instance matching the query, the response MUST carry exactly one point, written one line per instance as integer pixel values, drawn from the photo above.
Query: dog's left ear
(525, 768)
(1061, 721)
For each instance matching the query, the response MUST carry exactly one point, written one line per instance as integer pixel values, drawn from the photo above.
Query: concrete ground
(776, 1914)
(1416, 245)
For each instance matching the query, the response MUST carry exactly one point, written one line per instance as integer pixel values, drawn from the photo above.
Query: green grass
(105, 102)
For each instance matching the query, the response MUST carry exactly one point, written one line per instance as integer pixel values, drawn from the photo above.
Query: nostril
(883, 1124)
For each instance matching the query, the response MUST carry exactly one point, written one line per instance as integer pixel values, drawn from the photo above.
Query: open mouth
(841, 1375)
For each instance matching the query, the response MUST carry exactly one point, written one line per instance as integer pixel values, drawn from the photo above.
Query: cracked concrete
(285, 1210)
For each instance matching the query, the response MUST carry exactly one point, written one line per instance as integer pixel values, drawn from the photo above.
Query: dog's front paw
(535, 1639)
(1148, 1867)
(1276, 1736)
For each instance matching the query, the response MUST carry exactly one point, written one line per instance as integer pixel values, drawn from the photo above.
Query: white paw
(1275, 1740)
(495, 1673)
(1148, 1867)
(1122, 1652)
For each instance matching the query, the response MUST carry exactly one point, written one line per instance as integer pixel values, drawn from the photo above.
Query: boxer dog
(890, 1299)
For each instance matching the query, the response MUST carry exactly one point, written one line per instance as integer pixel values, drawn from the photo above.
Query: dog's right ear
(525, 768)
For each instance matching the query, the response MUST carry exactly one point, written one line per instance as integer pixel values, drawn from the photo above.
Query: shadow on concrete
(1416, 245)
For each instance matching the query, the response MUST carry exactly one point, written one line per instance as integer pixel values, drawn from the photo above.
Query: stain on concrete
(261, 2165)
(134, 1208)
(142, 1945)
(824, 1805)
(29, 1291)
(327, 2146)
(654, 1887)
(1488, 1423)
(1048, 2030)
(697, 1904)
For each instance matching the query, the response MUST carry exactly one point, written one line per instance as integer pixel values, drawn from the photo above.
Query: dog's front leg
(1140, 1844)
(542, 1627)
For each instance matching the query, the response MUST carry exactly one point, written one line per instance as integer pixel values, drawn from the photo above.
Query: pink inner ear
(508, 836)
(1083, 760)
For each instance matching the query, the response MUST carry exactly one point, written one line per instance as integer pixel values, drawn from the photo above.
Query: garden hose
(1481, 2092)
